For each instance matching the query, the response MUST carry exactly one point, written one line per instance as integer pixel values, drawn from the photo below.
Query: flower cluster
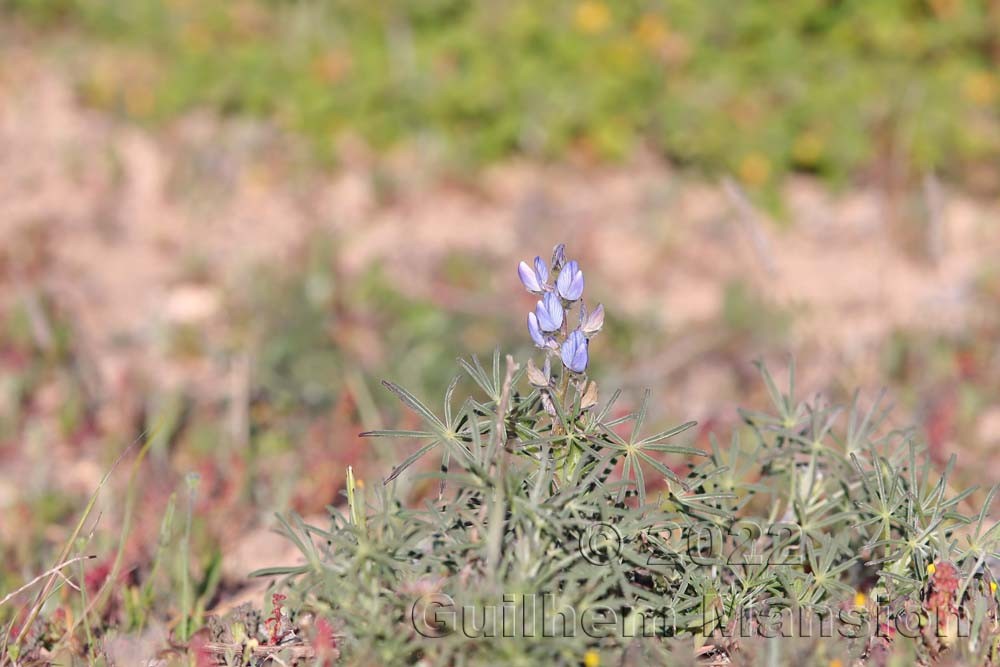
(548, 325)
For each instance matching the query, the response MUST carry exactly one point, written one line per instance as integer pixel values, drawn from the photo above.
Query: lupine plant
(559, 532)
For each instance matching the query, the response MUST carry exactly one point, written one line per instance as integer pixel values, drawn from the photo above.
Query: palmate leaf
(490, 383)
(790, 412)
(861, 428)
(634, 451)
(980, 540)
(444, 433)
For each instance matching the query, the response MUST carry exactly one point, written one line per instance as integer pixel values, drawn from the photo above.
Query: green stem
(187, 604)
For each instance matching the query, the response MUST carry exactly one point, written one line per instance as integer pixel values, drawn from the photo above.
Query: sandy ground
(125, 224)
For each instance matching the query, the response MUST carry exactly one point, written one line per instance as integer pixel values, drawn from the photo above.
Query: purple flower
(549, 312)
(539, 338)
(529, 278)
(592, 322)
(574, 352)
(535, 331)
(570, 281)
(542, 272)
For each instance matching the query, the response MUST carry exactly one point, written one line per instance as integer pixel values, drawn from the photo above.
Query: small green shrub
(640, 547)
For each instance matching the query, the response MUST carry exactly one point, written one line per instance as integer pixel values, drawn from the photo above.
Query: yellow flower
(931, 569)
(980, 88)
(591, 659)
(139, 100)
(808, 148)
(860, 599)
(755, 169)
(993, 587)
(652, 31)
(835, 663)
(945, 8)
(103, 83)
(592, 17)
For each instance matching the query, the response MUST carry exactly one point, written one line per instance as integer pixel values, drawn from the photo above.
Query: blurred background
(230, 219)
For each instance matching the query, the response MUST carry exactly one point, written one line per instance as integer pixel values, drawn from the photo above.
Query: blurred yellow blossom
(592, 16)
(980, 88)
(945, 8)
(652, 31)
(860, 600)
(931, 568)
(755, 169)
(102, 82)
(807, 148)
(591, 659)
(139, 100)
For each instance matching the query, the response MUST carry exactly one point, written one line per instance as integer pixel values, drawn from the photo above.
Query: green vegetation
(532, 484)
(871, 511)
(832, 87)
(818, 515)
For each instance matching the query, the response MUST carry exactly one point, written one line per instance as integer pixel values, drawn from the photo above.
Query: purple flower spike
(542, 271)
(591, 323)
(549, 312)
(535, 331)
(529, 278)
(570, 281)
(574, 352)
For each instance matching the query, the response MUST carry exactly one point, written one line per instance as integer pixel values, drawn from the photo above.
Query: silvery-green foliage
(542, 491)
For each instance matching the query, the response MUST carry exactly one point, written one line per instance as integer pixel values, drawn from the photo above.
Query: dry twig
(55, 571)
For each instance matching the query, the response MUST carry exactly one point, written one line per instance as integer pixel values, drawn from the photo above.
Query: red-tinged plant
(325, 643)
(276, 623)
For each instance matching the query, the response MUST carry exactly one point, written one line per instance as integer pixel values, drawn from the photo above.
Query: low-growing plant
(559, 532)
